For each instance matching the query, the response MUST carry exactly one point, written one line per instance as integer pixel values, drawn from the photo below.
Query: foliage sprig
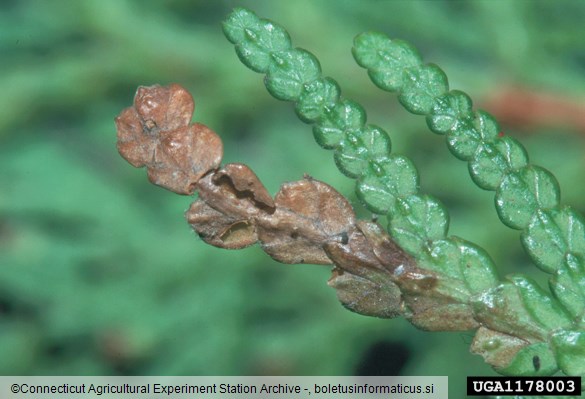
(386, 183)
(527, 196)
(416, 270)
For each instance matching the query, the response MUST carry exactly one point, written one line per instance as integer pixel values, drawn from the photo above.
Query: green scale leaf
(552, 235)
(421, 86)
(357, 150)
(256, 39)
(393, 178)
(464, 141)
(289, 72)
(570, 352)
(316, 99)
(465, 261)
(346, 116)
(522, 193)
(493, 160)
(503, 309)
(543, 308)
(417, 221)
(385, 59)
(568, 286)
(449, 111)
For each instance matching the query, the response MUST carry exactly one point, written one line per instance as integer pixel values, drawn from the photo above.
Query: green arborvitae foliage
(549, 327)
(527, 198)
(386, 183)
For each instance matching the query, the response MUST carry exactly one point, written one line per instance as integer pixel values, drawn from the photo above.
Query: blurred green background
(100, 274)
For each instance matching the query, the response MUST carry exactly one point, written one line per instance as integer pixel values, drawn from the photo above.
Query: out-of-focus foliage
(99, 273)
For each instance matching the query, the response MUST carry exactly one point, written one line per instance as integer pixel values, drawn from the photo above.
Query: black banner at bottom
(511, 386)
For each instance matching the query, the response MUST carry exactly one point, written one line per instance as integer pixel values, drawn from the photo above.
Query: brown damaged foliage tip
(306, 222)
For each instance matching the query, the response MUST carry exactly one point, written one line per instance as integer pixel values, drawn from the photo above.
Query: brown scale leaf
(183, 156)
(220, 191)
(219, 229)
(245, 182)
(354, 255)
(230, 199)
(134, 145)
(430, 314)
(155, 133)
(309, 213)
(361, 281)
(364, 296)
(388, 253)
(164, 107)
(497, 348)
